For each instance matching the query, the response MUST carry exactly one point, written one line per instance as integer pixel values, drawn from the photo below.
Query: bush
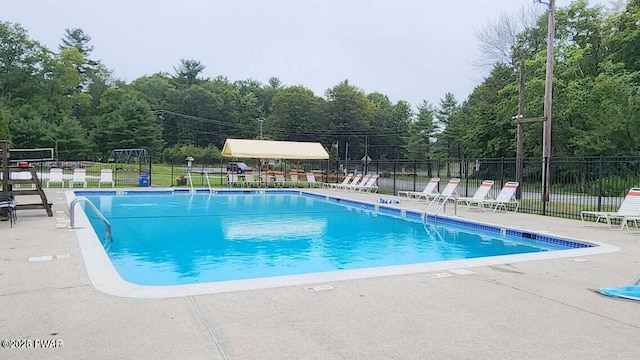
(177, 154)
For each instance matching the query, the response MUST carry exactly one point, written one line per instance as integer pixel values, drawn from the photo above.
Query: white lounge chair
(370, 186)
(356, 179)
(449, 193)
(294, 180)
(79, 177)
(249, 180)
(355, 186)
(281, 181)
(429, 191)
(506, 197)
(232, 178)
(629, 210)
(344, 182)
(311, 180)
(55, 176)
(106, 177)
(481, 194)
(22, 175)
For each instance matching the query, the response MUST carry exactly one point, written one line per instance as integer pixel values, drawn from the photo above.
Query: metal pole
(548, 89)
(346, 157)
(520, 136)
(366, 155)
(260, 120)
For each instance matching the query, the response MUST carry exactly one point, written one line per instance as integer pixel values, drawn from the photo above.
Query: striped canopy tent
(266, 149)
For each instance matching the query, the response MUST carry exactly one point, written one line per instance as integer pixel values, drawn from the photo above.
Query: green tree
(71, 140)
(297, 115)
(4, 125)
(188, 72)
(22, 65)
(27, 128)
(445, 115)
(64, 85)
(154, 89)
(350, 114)
(624, 36)
(421, 133)
(176, 154)
(131, 124)
(484, 124)
(77, 39)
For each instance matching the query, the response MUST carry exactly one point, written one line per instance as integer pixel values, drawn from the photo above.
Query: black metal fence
(576, 184)
(123, 175)
(593, 183)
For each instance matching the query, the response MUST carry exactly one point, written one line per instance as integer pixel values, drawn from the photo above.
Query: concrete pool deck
(534, 309)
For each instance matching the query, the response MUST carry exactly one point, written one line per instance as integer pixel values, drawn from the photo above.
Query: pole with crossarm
(548, 90)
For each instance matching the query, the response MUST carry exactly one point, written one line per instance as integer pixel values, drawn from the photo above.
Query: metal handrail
(95, 209)
(443, 206)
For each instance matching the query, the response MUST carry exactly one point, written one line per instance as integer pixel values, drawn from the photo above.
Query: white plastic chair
(481, 194)
(249, 180)
(370, 185)
(22, 175)
(79, 177)
(449, 193)
(106, 176)
(629, 210)
(429, 191)
(55, 176)
(354, 181)
(311, 180)
(280, 181)
(344, 182)
(232, 178)
(356, 186)
(293, 179)
(506, 196)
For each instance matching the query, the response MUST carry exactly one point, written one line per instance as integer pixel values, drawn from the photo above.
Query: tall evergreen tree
(188, 72)
(422, 133)
(445, 115)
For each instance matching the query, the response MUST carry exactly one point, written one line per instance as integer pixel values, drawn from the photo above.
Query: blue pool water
(176, 239)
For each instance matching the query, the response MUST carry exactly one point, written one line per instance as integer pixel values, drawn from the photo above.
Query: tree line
(67, 100)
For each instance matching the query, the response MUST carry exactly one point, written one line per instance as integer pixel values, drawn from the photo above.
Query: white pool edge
(104, 277)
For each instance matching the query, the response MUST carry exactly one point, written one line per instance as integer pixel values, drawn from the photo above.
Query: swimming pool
(181, 239)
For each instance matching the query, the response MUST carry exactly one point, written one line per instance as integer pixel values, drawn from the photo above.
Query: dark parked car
(238, 167)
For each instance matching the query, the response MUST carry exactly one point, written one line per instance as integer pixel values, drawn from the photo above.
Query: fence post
(172, 177)
(394, 176)
(546, 165)
(466, 177)
(502, 171)
(415, 173)
(600, 184)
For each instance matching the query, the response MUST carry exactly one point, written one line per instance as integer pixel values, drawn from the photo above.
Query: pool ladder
(206, 176)
(442, 207)
(95, 209)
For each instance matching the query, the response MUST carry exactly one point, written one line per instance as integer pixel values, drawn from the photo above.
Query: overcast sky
(410, 50)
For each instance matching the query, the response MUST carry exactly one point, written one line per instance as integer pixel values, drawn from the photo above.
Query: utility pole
(520, 120)
(548, 91)
(520, 140)
(260, 120)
